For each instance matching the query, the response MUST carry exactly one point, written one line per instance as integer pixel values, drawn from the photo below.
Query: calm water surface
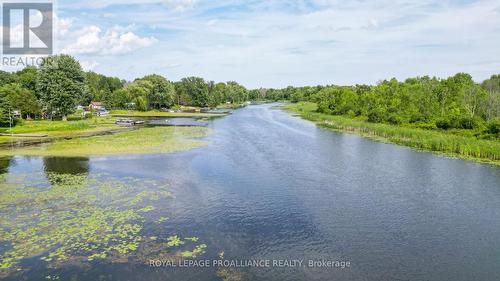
(272, 186)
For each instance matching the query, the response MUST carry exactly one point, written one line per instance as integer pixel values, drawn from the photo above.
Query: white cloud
(179, 5)
(276, 43)
(92, 40)
(88, 65)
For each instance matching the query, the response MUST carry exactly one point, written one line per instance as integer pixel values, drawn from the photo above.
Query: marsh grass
(139, 141)
(436, 141)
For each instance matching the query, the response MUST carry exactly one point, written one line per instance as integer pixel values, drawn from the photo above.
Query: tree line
(59, 85)
(456, 102)
(54, 89)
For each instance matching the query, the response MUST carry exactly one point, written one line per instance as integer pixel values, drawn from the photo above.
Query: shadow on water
(66, 165)
(5, 163)
(56, 166)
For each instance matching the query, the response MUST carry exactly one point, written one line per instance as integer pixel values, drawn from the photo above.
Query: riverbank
(51, 130)
(468, 148)
(132, 113)
(139, 141)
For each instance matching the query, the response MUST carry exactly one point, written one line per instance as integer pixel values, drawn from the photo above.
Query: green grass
(131, 113)
(60, 129)
(140, 141)
(436, 141)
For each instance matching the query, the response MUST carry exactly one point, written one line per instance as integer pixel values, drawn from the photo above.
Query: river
(270, 186)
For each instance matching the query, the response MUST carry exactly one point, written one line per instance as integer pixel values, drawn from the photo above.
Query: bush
(425, 126)
(446, 123)
(470, 123)
(493, 126)
(376, 115)
(395, 119)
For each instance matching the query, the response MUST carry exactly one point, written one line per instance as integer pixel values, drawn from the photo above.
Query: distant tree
(21, 99)
(7, 78)
(101, 87)
(27, 78)
(218, 95)
(162, 93)
(117, 99)
(195, 89)
(60, 84)
(492, 102)
(236, 92)
(138, 93)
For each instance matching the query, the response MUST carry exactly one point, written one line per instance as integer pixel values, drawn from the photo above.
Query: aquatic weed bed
(61, 219)
(140, 141)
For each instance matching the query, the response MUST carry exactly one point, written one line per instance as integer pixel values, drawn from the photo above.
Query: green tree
(195, 89)
(60, 84)
(162, 93)
(138, 93)
(27, 78)
(21, 99)
(7, 78)
(236, 93)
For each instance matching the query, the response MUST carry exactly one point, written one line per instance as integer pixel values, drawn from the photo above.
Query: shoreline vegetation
(436, 141)
(47, 130)
(131, 142)
(134, 113)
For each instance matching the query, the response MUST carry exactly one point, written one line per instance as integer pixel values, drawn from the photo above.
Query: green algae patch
(75, 218)
(140, 141)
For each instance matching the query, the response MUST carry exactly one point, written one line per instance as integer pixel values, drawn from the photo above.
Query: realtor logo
(27, 28)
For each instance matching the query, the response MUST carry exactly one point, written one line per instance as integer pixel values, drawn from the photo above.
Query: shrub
(446, 123)
(425, 126)
(493, 126)
(395, 119)
(470, 123)
(376, 115)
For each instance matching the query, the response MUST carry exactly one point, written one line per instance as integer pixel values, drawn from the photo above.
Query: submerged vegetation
(456, 145)
(64, 218)
(139, 141)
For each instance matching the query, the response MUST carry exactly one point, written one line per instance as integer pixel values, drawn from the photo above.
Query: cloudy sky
(275, 43)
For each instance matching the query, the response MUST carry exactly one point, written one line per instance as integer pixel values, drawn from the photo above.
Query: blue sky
(278, 43)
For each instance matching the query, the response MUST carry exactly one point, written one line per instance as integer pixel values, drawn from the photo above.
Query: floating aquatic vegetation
(229, 273)
(64, 218)
(174, 241)
(162, 219)
(198, 250)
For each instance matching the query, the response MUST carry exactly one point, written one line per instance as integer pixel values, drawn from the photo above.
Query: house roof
(96, 103)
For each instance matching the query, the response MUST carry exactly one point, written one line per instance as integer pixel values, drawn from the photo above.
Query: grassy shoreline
(467, 148)
(59, 129)
(131, 113)
(159, 140)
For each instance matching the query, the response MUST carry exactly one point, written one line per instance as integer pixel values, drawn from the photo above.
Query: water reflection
(56, 166)
(5, 164)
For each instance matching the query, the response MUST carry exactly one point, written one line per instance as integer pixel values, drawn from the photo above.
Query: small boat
(140, 122)
(125, 122)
